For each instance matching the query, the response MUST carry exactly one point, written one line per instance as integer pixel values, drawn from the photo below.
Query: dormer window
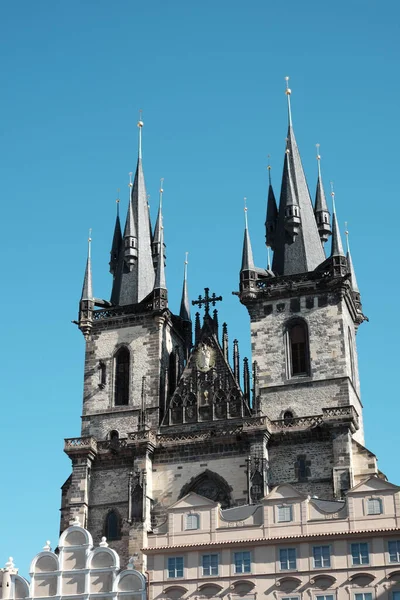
(374, 506)
(192, 521)
(284, 513)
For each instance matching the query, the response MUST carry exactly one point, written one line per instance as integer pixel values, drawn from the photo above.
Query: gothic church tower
(165, 414)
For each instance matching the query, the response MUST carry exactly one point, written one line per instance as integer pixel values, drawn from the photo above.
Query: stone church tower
(163, 410)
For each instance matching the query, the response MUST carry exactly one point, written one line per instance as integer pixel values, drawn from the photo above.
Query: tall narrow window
(360, 553)
(297, 349)
(111, 529)
(121, 396)
(351, 351)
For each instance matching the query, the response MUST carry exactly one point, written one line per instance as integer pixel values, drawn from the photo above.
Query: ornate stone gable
(207, 389)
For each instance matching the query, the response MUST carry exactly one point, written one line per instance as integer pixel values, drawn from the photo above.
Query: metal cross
(207, 300)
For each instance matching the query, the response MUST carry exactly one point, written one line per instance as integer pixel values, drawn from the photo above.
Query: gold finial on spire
(140, 125)
(186, 265)
(288, 92)
(318, 160)
(269, 169)
(347, 237)
(333, 197)
(117, 201)
(130, 184)
(161, 191)
(245, 211)
(90, 243)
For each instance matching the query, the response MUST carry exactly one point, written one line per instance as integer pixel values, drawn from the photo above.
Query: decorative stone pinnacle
(103, 543)
(47, 547)
(10, 563)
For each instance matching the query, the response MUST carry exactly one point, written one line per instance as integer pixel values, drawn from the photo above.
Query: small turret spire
(247, 255)
(272, 212)
(130, 233)
(87, 288)
(116, 242)
(322, 215)
(160, 282)
(354, 283)
(184, 312)
(337, 246)
(158, 249)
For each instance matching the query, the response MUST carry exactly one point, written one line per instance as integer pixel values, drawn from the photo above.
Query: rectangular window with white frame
(287, 559)
(192, 521)
(290, 598)
(395, 595)
(175, 566)
(364, 596)
(325, 597)
(322, 557)
(284, 513)
(394, 551)
(242, 562)
(210, 564)
(360, 553)
(374, 506)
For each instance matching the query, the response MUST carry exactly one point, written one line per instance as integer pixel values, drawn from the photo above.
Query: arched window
(288, 418)
(111, 526)
(297, 349)
(121, 394)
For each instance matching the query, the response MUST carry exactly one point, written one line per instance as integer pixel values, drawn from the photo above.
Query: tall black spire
(272, 214)
(322, 215)
(116, 242)
(184, 312)
(297, 243)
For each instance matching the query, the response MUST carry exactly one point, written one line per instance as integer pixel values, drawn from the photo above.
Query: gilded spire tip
(161, 191)
(89, 242)
(333, 197)
(288, 92)
(269, 168)
(140, 125)
(347, 236)
(185, 266)
(318, 160)
(245, 211)
(130, 184)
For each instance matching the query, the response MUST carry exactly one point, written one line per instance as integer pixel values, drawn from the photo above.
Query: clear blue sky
(209, 77)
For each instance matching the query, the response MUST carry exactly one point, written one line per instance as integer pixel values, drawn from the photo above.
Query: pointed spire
(130, 234)
(247, 254)
(160, 283)
(158, 249)
(87, 289)
(322, 215)
(184, 312)
(236, 368)
(225, 344)
(337, 246)
(197, 328)
(246, 379)
(272, 213)
(354, 283)
(116, 242)
(297, 246)
(136, 282)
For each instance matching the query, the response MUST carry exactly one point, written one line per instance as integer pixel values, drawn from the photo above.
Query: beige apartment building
(289, 546)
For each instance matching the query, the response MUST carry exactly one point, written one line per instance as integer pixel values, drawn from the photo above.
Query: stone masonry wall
(328, 321)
